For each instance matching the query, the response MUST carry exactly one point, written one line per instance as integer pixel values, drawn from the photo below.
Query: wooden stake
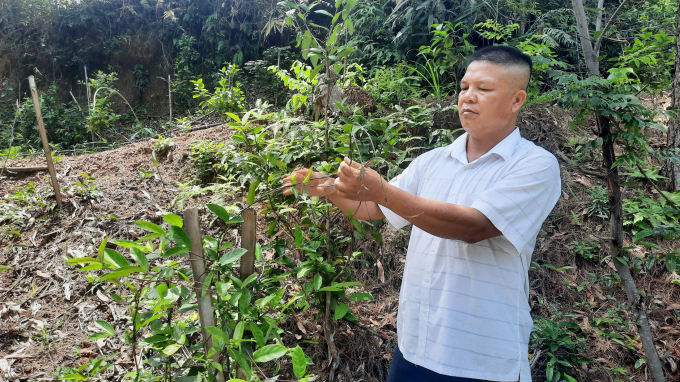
(248, 242)
(170, 96)
(205, 309)
(43, 136)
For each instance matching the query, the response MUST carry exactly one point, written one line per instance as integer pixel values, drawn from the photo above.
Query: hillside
(48, 308)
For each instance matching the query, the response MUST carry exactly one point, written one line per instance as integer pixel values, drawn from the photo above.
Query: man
(477, 206)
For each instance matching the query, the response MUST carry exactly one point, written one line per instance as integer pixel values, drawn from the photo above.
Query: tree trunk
(673, 169)
(598, 22)
(592, 62)
(615, 208)
(616, 228)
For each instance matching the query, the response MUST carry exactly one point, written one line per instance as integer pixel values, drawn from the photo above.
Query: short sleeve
(408, 181)
(519, 202)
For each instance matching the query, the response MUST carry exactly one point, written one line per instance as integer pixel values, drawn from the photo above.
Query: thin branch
(607, 25)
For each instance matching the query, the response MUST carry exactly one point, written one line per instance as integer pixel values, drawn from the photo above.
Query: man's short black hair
(503, 55)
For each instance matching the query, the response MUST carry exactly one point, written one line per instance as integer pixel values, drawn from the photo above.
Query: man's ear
(518, 100)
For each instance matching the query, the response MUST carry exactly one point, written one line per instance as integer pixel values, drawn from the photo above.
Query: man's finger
(351, 163)
(346, 170)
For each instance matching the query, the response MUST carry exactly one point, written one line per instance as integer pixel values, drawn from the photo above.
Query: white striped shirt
(463, 308)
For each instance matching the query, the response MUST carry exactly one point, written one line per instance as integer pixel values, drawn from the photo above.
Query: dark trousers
(402, 370)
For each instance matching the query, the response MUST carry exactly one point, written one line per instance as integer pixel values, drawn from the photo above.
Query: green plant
(587, 248)
(85, 187)
(563, 342)
(599, 206)
(163, 145)
(228, 96)
(392, 84)
(102, 115)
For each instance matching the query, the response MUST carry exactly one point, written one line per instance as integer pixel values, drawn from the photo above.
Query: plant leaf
(232, 256)
(340, 311)
(299, 362)
(269, 352)
(148, 226)
(173, 219)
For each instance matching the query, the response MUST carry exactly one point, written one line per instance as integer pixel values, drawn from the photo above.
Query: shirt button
(427, 279)
(424, 310)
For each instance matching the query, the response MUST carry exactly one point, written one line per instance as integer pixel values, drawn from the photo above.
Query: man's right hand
(315, 187)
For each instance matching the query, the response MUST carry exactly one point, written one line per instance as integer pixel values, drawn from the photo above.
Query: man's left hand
(357, 182)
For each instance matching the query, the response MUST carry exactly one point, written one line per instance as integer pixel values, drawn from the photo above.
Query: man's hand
(318, 185)
(357, 182)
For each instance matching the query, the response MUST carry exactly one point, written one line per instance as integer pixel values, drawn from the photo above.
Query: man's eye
(482, 89)
(463, 89)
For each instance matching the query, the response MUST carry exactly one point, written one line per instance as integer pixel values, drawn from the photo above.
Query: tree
(611, 165)
(673, 168)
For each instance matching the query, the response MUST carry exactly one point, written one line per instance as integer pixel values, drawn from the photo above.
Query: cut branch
(23, 170)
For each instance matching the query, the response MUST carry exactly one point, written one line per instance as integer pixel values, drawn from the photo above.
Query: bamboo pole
(205, 309)
(248, 242)
(43, 136)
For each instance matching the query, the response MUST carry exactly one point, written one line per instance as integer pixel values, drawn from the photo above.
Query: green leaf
(7, 267)
(73, 377)
(257, 334)
(244, 301)
(176, 251)
(102, 247)
(345, 51)
(97, 336)
(309, 175)
(238, 330)
(114, 258)
(218, 334)
(251, 191)
(299, 362)
(238, 356)
(121, 272)
(350, 26)
(258, 251)
(106, 326)
(351, 3)
(330, 289)
(316, 284)
(347, 284)
(206, 283)
(360, 297)
(171, 349)
(269, 352)
(148, 226)
(289, 21)
(340, 311)
(323, 12)
(298, 236)
(179, 236)
(173, 219)
(224, 215)
(232, 256)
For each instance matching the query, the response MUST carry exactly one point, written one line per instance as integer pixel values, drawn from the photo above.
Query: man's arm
(445, 220)
(326, 187)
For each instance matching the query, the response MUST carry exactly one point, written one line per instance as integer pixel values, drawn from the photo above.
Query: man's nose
(469, 96)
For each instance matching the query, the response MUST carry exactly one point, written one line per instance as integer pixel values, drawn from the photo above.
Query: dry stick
(205, 309)
(43, 136)
(23, 169)
(248, 242)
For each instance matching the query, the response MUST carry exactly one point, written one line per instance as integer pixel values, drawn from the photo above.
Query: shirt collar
(504, 148)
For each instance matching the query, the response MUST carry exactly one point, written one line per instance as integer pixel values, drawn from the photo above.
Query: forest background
(140, 79)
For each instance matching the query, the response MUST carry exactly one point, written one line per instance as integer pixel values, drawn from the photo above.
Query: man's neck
(476, 147)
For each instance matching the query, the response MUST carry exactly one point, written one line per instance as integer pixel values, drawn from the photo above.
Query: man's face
(490, 97)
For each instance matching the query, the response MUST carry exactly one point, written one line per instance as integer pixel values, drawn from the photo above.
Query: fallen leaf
(43, 274)
(301, 327)
(381, 272)
(102, 297)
